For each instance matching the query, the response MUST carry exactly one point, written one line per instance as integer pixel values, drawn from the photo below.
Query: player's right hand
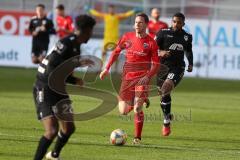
(103, 74)
(163, 53)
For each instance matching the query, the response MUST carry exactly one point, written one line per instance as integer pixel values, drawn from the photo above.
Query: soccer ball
(118, 137)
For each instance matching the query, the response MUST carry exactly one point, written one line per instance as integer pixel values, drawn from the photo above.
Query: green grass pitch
(207, 125)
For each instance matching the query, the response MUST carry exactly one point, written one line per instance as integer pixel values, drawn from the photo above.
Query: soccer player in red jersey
(142, 62)
(64, 23)
(155, 24)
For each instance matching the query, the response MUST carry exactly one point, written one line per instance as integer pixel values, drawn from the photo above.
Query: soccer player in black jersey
(40, 27)
(46, 98)
(173, 43)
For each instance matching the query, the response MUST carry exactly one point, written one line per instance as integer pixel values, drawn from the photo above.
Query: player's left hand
(190, 68)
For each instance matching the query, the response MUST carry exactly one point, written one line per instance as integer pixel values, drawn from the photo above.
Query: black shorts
(39, 48)
(173, 73)
(46, 99)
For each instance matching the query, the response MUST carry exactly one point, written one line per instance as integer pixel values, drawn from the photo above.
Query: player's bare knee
(166, 88)
(122, 106)
(123, 111)
(51, 133)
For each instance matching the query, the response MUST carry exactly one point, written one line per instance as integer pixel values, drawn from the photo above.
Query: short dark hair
(179, 15)
(84, 21)
(41, 5)
(146, 19)
(60, 7)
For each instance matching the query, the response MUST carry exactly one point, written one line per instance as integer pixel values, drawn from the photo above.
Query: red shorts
(130, 89)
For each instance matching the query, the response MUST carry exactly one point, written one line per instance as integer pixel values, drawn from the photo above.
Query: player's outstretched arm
(125, 15)
(113, 57)
(96, 13)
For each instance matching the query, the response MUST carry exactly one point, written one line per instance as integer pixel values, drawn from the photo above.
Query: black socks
(43, 145)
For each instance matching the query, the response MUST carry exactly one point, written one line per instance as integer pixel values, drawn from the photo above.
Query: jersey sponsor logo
(176, 46)
(170, 36)
(60, 47)
(170, 76)
(139, 53)
(145, 45)
(185, 37)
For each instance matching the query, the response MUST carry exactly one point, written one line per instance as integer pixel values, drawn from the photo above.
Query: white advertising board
(216, 45)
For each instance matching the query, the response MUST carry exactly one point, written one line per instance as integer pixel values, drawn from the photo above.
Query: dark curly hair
(84, 21)
(179, 15)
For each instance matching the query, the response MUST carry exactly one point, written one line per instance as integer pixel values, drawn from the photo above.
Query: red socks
(138, 123)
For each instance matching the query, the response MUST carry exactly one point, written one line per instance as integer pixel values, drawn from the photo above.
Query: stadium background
(206, 109)
(213, 23)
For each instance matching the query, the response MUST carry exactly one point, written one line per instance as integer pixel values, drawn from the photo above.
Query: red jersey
(64, 23)
(141, 55)
(153, 27)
